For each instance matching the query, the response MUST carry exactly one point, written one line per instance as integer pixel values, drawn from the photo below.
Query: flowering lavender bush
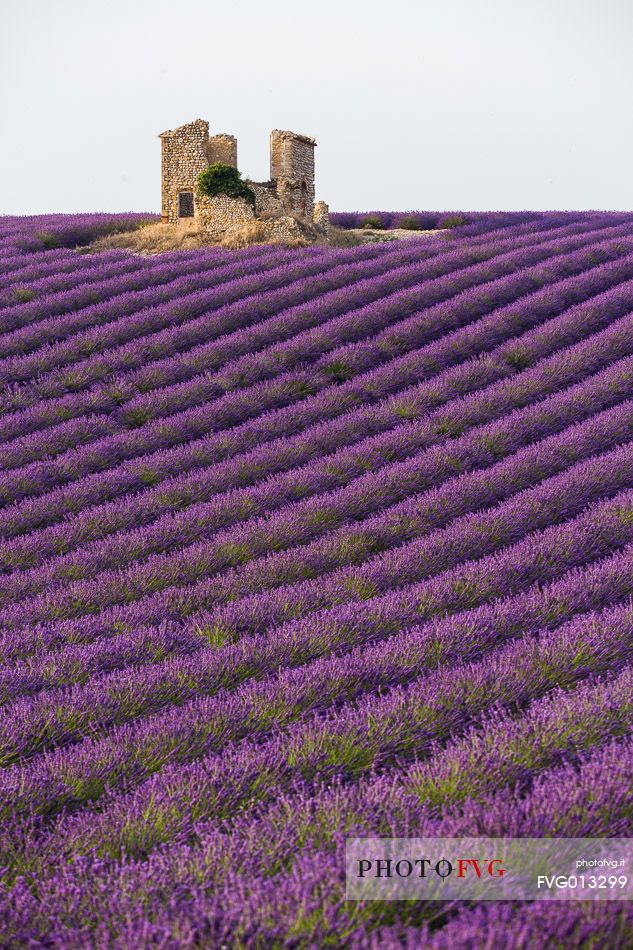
(466, 221)
(43, 232)
(304, 544)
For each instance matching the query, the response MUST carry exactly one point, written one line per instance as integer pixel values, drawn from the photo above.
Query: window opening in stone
(185, 204)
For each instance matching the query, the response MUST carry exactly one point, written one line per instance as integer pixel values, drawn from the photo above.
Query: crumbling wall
(321, 217)
(279, 230)
(222, 148)
(266, 199)
(292, 168)
(291, 155)
(183, 153)
(221, 213)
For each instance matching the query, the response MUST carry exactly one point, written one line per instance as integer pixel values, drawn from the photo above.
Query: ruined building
(288, 194)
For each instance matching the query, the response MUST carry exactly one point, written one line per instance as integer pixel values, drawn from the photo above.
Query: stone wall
(293, 195)
(282, 229)
(222, 148)
(291, 155)
(292, 168)
(278, 154)
(183, 158)
(266, 199)
(321, 217)
(220, 213)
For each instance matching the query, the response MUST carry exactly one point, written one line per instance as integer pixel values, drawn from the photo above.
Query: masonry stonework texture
(220, 214)
(188, 150)
(292, 167)
(222, 148)
(321, 216)
(183, 158)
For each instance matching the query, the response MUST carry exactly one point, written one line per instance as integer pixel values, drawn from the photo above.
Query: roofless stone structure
(289, 192)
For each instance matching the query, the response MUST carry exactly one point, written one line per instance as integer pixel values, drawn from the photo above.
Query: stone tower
(292, 170)
(183, 154)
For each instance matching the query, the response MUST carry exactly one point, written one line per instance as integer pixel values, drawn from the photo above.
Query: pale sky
(415, 104)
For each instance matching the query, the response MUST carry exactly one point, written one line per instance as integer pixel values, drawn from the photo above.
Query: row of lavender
(346, 318)
(112, 291)
(473, 222)
(347, 360)
(296, 517)
(612, 343)
(357, 561)
(463, 223)
(29, 233)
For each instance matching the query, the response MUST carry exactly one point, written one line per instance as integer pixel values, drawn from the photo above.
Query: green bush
(221, 179)
(48, 239)
(451, 221)
(371, 222)
(24, 294)
(410, 223)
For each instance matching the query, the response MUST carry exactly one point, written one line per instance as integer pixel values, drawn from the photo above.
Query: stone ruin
(284, 205)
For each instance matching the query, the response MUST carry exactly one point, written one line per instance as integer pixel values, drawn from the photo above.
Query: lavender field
(303, 544)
